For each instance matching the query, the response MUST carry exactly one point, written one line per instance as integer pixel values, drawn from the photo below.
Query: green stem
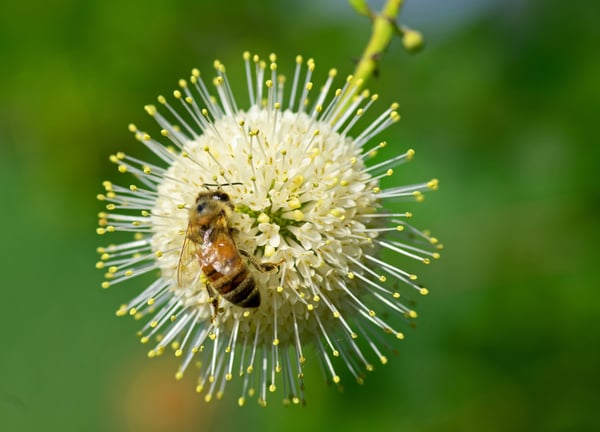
(384, 28)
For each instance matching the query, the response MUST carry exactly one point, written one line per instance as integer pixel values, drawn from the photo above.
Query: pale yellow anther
(426, 261)
(182, 83)
(269, 251)
(400, 336)
(382, 278)
(263, 218)
(122, 168)
(275, 342)
(196, 72)
(412, 277)
(400, 228)
(105, 284)
(423, 291)
(383, 359)
(246, 55)
(100, 265)
(412, 40)
(150, 109)
(113, 269)
(336, 379)
(279, 289)
(396, 295)
(433, 184)
(297, 215)
(350, 275)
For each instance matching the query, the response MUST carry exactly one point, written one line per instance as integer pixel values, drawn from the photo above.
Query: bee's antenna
(218, 186)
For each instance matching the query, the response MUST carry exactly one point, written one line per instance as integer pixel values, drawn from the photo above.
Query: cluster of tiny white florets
(304, 197)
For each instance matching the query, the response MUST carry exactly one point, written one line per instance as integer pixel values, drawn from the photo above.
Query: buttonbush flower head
(299, 163)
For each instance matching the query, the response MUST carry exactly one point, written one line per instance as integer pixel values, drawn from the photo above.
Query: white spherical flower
(294, 206)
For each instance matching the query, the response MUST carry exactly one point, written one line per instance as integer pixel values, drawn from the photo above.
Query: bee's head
(209, 205)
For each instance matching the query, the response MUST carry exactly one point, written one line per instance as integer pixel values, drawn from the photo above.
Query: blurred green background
(502, 107)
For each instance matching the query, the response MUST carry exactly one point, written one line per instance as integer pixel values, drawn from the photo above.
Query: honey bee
(210, 239)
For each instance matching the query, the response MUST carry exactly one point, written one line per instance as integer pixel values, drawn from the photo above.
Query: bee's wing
(222, 254)
(188, 247)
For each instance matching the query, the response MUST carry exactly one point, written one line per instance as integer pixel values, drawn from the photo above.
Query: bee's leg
(214, 301)
(263, 267)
